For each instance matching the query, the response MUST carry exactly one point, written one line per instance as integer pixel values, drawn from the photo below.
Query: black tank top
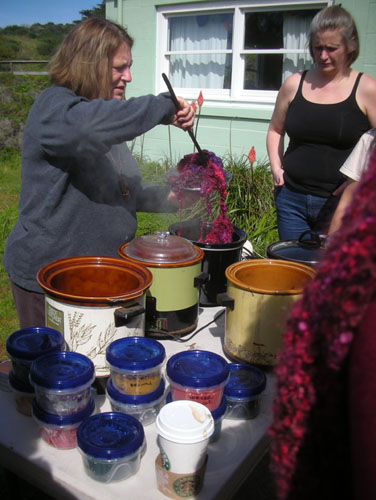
(321, 138)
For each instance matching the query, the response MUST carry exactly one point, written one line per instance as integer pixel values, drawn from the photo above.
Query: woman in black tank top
(324, 112)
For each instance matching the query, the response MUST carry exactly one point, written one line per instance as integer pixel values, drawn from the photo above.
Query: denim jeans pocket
(277, 190)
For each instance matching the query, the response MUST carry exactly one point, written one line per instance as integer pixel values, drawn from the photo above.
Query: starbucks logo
(165, 461)
(187, 486)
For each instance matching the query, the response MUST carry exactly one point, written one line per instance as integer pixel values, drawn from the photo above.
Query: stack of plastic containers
(200, 376)
(23, 347)
(136, 385)
(112, 445)
(62, 384)
(243, 390)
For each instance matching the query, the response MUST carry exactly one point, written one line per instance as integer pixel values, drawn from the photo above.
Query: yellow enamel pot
(175, 263)
(260, 294)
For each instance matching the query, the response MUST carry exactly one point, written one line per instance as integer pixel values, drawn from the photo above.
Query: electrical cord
(178, 338)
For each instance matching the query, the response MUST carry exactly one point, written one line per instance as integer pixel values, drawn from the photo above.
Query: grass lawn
(9, 189)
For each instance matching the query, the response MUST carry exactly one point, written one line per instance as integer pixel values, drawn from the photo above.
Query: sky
(42, 11)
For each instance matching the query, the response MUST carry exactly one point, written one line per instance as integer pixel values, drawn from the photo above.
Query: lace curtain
(203, 32)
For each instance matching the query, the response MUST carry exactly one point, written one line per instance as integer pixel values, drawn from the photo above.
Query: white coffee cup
(184, 428)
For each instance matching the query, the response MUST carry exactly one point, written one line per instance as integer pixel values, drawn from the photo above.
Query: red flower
(200, 99)
(194, 106)
(252, 155)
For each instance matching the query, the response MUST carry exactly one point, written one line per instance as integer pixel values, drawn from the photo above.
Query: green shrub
(47, 44)
(250, 201)
(8, 48)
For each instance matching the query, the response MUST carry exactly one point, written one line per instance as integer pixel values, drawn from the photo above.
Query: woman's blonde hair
(83, 62)
(336, 18)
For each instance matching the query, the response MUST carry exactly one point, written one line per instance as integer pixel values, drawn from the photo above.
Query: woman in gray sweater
(80, 185)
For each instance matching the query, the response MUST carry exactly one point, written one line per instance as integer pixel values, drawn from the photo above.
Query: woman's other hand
(184, 117)
(278, 179)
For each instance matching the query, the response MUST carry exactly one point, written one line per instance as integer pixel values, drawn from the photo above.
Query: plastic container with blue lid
(27, 344)
(243, 391)
(60, 431)
(23, 394)
(198, 376)
(62, 381)
(135, 364)
(144, 407)
(218, 415)
(112, 445)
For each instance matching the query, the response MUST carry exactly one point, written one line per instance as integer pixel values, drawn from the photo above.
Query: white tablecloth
(61, 474)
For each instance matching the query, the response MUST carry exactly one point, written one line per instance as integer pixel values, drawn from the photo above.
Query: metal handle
(123, 315)
(225, 300)
(191, 134)
(313, 242)
(200, 279)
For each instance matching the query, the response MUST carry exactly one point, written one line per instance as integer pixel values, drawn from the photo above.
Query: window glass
(211, 35)
(238, 55)
(263, 72)
(263, 30)
(273, 31)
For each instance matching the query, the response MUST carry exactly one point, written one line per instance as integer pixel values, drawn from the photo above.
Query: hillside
(39, 41)
(31, 42)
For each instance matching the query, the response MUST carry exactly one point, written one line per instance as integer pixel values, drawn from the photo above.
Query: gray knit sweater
(72, 201)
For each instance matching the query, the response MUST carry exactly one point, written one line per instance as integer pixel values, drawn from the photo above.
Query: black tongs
(202, 155)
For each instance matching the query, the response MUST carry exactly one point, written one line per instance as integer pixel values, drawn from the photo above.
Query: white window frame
(236, 96)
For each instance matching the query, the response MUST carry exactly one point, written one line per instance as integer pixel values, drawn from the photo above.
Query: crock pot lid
(62, 370)
(197, 369)
(291, 250)
(29, 343)
(161, 247)
(244, 381)
(110, 435)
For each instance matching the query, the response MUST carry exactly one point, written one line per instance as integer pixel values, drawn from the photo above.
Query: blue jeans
(298, 212)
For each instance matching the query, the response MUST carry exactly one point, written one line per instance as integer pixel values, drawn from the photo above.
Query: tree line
(47, 36)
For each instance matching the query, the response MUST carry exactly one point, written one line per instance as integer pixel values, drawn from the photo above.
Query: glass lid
(161, 248)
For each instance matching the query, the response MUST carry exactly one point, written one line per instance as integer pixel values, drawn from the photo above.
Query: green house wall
(230, 131)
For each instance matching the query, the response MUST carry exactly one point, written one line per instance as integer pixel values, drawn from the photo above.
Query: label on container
(209, 398)
(54, 318)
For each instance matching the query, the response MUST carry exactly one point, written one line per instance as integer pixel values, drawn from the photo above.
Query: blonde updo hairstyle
(83, 62)
(336, 18)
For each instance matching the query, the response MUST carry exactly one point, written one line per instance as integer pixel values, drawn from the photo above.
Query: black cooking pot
(308, 249)
(217, 257)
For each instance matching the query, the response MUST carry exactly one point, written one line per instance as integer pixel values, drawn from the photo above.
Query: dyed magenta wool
(210, 178)
(311, 443)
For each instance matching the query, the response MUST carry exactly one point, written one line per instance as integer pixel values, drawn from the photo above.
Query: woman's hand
(278, 176)
(184, 117)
